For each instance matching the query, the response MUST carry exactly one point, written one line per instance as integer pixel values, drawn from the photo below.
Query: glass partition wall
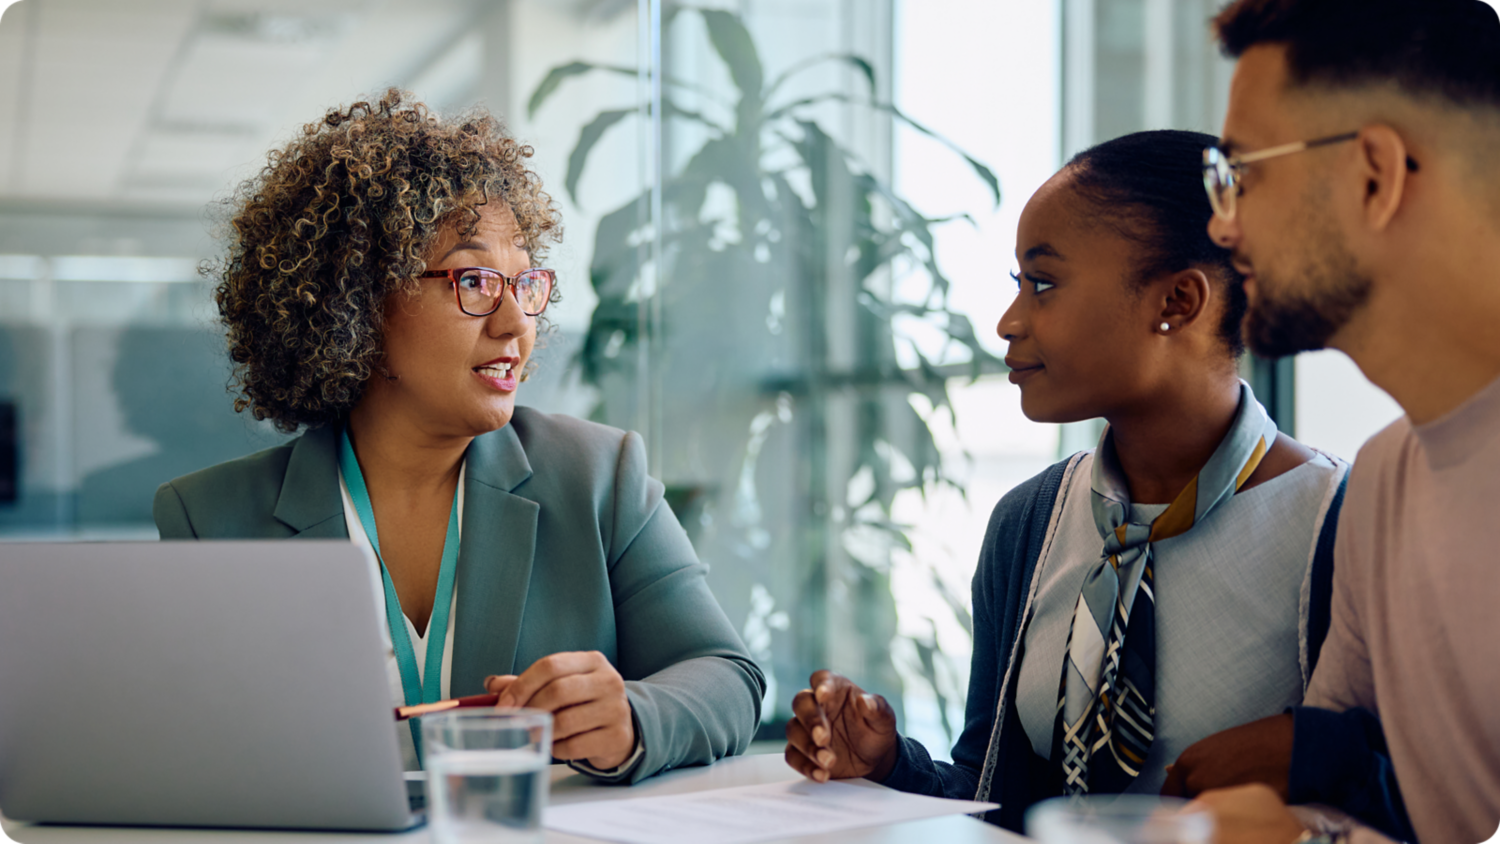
(795, 304)
(773, 310)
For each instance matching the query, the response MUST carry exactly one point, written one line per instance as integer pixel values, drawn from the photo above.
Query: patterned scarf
(1108, 690)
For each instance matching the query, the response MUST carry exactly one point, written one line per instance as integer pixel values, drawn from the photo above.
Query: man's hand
(586, 696)
(1249, 814)
(838, 731)
(1260, 751)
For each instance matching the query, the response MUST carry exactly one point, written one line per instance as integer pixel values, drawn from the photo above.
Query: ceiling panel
(299, 7)
(173, 101)
(392, 46)
(12, 52)
(199, 156)
(97, 66)
(230, 80)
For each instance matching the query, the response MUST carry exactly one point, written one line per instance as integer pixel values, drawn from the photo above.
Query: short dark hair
(1444, 48)
(1159, 176)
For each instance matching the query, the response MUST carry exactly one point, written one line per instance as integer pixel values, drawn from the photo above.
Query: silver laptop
(225, 684)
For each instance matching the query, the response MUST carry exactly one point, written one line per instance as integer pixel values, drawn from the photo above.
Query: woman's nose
(508, 319)
(1011, 325)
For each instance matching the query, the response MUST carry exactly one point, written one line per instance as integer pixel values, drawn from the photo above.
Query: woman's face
(1083, 342)
(457, 374)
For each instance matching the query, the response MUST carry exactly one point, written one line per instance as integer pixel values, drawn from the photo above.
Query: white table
(567, 787)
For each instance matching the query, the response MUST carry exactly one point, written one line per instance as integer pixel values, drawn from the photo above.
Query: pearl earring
(1165, 327)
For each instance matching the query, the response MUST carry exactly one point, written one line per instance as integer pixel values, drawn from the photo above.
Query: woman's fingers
(607, 744)
(806, 709)
(833, 693)
(798, 737)
(497, 683)
(576, 689)
(599, 730)
(799, 750)
(876, 712)
(598, 714)
(586, 696)
(547, 669)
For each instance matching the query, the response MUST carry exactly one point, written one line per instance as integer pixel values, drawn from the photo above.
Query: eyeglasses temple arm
(1295, 146)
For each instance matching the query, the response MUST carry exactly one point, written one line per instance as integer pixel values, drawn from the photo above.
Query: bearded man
(1358, 184)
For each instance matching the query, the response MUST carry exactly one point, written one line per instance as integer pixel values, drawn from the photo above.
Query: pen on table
(405, 712)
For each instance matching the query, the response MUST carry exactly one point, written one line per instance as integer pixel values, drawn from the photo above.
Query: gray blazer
(581, 555)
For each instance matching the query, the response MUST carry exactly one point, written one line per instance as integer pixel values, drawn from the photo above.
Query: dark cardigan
(1012, 547)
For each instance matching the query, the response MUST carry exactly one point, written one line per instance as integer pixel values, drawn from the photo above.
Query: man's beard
(1281, 322)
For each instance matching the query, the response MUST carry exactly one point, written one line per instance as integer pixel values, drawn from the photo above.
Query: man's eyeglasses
(480, 290)
(1222, 171)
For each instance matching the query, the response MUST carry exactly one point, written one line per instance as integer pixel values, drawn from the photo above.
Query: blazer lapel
(310, 503)
(494, 561)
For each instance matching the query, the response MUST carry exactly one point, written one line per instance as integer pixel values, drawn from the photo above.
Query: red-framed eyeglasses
(480, 290)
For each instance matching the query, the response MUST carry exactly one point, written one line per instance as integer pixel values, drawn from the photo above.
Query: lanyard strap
(417, 689)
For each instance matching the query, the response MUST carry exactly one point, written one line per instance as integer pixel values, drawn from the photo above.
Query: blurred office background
(784, 262)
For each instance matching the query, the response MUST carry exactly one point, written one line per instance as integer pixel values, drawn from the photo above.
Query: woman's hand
(586, 696)
(839, 731)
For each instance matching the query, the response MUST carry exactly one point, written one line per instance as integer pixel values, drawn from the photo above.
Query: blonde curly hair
(336, 223)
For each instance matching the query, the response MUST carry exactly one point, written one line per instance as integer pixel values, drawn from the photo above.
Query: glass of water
(1118, 819)
(487, 774)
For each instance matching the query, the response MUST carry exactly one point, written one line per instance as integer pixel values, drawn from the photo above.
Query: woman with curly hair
(381, 294)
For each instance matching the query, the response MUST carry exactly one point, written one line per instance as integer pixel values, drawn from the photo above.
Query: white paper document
(749, 813)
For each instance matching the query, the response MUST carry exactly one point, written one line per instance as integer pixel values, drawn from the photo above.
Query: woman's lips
(1022, 370)
(499, 375)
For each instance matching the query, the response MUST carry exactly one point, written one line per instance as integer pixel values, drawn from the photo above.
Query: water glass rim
(507, 717)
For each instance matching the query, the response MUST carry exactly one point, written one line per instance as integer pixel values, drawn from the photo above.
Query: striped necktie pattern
(1108, 688)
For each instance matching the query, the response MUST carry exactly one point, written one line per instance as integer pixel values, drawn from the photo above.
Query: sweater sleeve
(1339, 755)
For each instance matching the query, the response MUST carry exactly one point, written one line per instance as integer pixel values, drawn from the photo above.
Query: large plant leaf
(854, 60)
(670, 109)
(557, 75)
(587, 138)
(732, 41)
(983, 172)
(614, 263)
(828, 164)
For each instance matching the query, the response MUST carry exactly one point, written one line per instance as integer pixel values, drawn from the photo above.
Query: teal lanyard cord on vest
(412, 684)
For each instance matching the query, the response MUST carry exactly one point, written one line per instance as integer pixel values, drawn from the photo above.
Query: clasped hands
(591, 717)
(840, 731)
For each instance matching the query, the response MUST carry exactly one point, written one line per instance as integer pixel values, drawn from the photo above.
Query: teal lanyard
(417, 689)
